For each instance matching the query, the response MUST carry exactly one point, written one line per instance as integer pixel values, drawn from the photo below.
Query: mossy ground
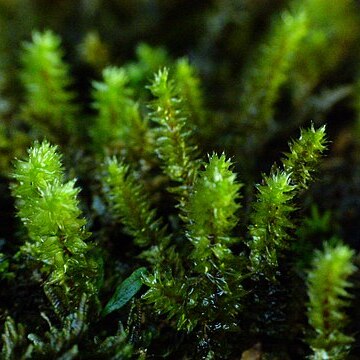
(223, 40)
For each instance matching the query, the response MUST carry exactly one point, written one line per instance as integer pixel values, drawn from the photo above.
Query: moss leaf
(125, 291)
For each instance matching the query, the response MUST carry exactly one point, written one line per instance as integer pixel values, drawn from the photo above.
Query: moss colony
(179, 179)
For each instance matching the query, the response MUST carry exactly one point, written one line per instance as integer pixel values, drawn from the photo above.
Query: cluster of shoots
(196, 249)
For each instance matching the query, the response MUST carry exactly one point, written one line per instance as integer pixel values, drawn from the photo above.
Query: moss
(156, 209)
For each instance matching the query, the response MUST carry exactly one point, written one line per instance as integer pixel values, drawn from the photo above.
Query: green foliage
(272, 214)
(165, 292)
(333, 29)
(115, 347)
(211, 212)
(65, 342)
(188, 296)
(304, 156)
(94, 51)
(125, 291)
(49, 102)
(169, 298)
(62, 341)
(129, 204)
(328, 284)
(12, 143)
(270, 70)
(48, 207)
(271, 219)
(119, 120)
(172, 135)
(149, 60)
(167, 251)
(190, 90)
(13, 340)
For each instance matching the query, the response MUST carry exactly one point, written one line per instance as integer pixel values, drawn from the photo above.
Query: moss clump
(151, 206)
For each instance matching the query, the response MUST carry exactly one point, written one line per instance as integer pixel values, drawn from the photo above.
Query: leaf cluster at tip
(49, 209)
(211, 209)
(172, 135)
(328, 284)
(49, 102)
